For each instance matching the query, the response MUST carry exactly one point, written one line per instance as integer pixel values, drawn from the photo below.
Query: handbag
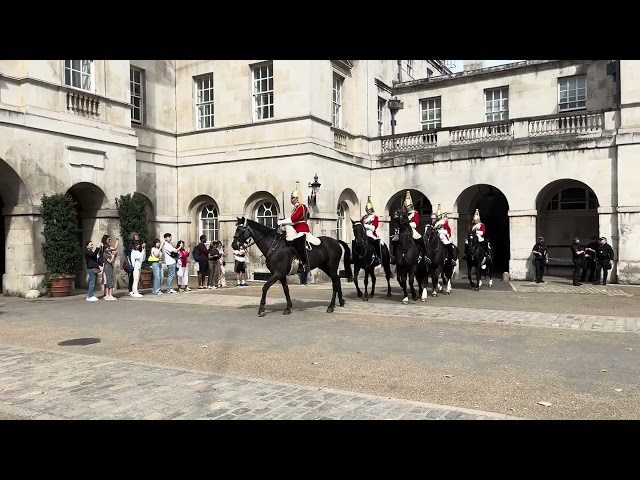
(152, 258)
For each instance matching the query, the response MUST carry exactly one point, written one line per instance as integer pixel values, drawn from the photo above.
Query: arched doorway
(493, 207)
(566, 209)
(348, 208)
(421, 203)
(89, 199)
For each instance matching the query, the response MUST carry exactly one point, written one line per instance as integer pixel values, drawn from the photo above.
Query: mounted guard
(444, 231)
(296, 227)
(414, 221)
(370, 222)
(480, 231)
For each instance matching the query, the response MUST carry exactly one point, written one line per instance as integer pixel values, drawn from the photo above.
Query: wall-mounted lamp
(315, 186)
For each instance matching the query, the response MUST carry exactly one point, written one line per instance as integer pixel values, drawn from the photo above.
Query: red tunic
(415, 219)
(374, 223)
(298, 218)
(447, 228)
(480, 227)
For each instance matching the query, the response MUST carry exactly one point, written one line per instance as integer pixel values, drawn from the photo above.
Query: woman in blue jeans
(91, 257)
(156, 266)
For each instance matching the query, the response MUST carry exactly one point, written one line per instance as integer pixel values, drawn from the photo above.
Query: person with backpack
(201, 255)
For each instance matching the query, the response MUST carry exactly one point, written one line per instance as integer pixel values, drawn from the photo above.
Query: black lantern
(315, 186)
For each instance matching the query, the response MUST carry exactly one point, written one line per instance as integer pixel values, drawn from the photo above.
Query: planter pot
(145, 279)
(60, 287)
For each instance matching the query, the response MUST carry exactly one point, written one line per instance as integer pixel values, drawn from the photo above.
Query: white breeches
(371, 235)
(416, 235)
(444, 237)
(291, 232)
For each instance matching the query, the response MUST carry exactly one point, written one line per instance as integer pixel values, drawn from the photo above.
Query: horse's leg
(356, 271)
(422, 285)
(469, 267)
(402, 280)
(478, 275)
(490, 273)
(272, 279)
(366, 284)
(373, 282)
(412, 274)
(434, 282)
(335, 280)
(285, 287)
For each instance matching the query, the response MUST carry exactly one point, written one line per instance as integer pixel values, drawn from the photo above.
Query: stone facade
(212, 140)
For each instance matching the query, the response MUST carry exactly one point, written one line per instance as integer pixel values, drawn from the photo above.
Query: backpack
(126, 264)
(100, 257)
(196, 253)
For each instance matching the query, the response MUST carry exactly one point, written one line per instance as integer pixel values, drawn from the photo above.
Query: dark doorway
(421, 203)
(3, 243)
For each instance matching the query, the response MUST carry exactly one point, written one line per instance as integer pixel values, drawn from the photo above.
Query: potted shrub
(60, 248)
(133, 218)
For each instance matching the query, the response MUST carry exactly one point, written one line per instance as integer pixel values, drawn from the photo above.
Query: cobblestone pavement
(42, 384)
(422, 310)
(585, 289)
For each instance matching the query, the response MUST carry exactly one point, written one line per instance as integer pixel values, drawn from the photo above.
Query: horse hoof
(405, 301)
(365, 299)
(371, 296)
(342, 302)
(414, 298)
(330, 310)
(423, 299)
(287, 312)
(261, 314)
(389, 294)
(434, 294)
(476, 289)
(359, 294)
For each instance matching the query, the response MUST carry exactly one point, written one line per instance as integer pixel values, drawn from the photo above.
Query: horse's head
(472, 245)
(429, 234)
(402, 219)
(359, 235)
(243, 232)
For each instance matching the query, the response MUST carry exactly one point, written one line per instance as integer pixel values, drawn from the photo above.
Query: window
(263, 92)
(209, 223)
(204, 102)
(572, 93)
(381, 104)
(78, 73)
(267, 215)
(136, 80)
(337, 101)
(496, 101)
(574, 198)
(410, 68)
(342, 224)
(430, 111)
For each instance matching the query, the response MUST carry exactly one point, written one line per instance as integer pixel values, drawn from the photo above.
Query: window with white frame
(337, 100)
(431, 113)
(267, 214)
(573, 198)
(410, 68)
(78, 73)
(381, 104)
(263, 92)
(209, 223)
(572, 93)
(341, 226)
(136, 83)
(204, 101)
(496, 101)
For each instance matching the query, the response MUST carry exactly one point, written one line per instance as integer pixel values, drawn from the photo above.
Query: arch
(493, 207)
(349, 199)
(421, 203)
(13, 193)
(149, 207)
(89, 199)
(342, 226)
(263, 207)
(205, 214)
(566, 208)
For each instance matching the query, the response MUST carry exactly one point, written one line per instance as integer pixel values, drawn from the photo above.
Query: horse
(447, 272)
(475, 253)
(325, 254)
(363, 258)
(436, 254)
(407, 254)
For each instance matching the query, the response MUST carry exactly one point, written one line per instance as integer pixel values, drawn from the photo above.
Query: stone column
(24, 264)
(626, 268)
(522, 227)
(608, 227)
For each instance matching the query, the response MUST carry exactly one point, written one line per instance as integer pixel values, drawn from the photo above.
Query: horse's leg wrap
(302, 252)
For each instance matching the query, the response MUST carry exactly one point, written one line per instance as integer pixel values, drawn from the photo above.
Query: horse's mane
(259, 227)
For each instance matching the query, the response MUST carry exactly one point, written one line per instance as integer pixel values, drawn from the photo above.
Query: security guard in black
(539, 252)
(577, 252)
(604, 257)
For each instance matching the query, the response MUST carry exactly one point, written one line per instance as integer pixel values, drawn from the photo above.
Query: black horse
(279, 258)
(364, 257)
(475, 254)
(436, 254)
(407, 255)
(447, 272)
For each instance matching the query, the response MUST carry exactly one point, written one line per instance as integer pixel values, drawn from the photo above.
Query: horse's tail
(347, 260)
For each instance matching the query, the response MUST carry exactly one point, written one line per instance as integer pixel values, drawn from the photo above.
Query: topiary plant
(133, 218)
(60, 248)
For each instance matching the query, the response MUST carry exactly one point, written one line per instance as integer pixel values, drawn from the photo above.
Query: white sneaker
(171, 290)
(131, 294)
(92, 299)
(137, 295)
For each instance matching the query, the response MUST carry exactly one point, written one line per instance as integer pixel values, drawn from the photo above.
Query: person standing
(540, 259)
(137, 256)
(605, 258)
(91, 257)
(201, 255)
(183, 269)
(590, 252)
(222, 281)
(239, 254)
(156, 266)
(133, 237)
(170, 256)
(109, 256)
(214, 256)
(577, 252)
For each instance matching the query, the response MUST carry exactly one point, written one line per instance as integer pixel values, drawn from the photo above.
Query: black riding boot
(302, 253)
(421, 246)
(452, 254)
(392, 253)
(378, 250)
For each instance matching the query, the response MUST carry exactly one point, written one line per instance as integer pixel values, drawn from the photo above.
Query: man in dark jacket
(604, 257)
(577, 253)
(590, 260)
(540, 259)
(133, 238)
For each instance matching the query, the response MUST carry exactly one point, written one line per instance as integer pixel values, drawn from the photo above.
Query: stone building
(540, 147)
